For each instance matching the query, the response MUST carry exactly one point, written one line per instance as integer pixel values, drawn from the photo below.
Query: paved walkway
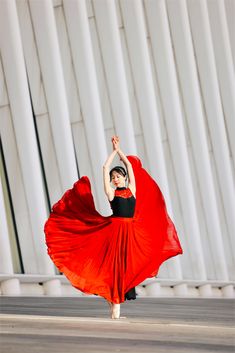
(69, 325)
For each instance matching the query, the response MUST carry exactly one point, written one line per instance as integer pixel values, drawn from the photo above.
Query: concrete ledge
(58, 285)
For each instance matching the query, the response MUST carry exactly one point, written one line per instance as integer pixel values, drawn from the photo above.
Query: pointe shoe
(115, 311)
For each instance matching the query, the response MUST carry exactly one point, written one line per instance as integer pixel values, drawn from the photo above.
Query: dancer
(122, 199)
(110, 255)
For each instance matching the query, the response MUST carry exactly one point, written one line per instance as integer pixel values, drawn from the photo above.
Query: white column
(181, 290)
(140, 61)
(228, 291)
(10, 286)
(52, 287)
(106, 19)
(134, 24)
(168, 85)
(83, 60)
(213, 105)
(224, 64)
(16, 80)
(230, 15)
(153, 289)
(135, 32)
(205, 290)
(6, 265)
(49, 55)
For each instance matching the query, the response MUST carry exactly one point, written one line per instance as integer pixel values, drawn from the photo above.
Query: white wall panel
(82, 151)
(16, 183)
(56, 3)
(106, 19)
(134, 24)
(200, 160)
(3, 91)
(83, 59)
(6, 262)
(34, 73)
(71, 86)
(230, 12)
(48, 49)
(223, 222)
(214, 110)
(18, 93)
(51, 168)
(107, 116)
(39, 102)
(225, 67)
(130, 85)
(89, 6)
(143, 83)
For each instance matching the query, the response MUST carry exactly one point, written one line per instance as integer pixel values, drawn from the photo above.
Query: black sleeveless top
(123, 203)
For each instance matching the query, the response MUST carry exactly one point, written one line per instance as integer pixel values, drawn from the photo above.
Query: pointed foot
(115, 314)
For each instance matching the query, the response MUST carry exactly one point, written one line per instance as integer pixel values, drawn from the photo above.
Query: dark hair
(119, 170)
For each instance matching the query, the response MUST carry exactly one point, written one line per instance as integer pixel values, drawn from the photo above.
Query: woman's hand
(115, 142)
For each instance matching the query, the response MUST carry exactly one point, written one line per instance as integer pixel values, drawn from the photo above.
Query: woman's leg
(115, 314)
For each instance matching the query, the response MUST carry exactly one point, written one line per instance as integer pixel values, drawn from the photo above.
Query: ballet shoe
(115, 311)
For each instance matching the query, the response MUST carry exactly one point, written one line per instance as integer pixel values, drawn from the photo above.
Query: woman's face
(117, 179)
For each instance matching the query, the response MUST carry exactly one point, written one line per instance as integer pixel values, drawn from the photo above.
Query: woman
(122, 199)
(109, 256)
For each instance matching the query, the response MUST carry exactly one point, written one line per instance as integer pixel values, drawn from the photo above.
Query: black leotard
(123, 203)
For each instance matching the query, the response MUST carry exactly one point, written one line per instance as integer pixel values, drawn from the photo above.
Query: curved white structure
(160, 74)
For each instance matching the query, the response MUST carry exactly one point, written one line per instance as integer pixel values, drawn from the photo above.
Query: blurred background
(160, 75)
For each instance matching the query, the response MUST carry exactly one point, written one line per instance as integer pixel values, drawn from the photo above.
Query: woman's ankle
(115, 311)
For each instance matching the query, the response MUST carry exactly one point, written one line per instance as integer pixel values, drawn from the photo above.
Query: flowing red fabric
(107, 255)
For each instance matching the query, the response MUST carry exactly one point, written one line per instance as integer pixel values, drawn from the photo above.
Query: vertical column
(9, 286)
(83, 60)
(16, 80)
(224, 64)
(213, 105)
(141, 66)
(49, 56)
(140, 61)
(6, 265)
(230, 15)
(106, 19)
(135, 31)
(160, 35)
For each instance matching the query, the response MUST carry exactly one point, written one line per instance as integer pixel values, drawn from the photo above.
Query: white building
(158, 73)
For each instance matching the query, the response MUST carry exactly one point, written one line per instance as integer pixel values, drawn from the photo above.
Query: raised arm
(127, 163)
(129, 170)
(107, 188)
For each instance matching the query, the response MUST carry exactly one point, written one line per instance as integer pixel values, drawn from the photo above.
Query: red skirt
(108, 255)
